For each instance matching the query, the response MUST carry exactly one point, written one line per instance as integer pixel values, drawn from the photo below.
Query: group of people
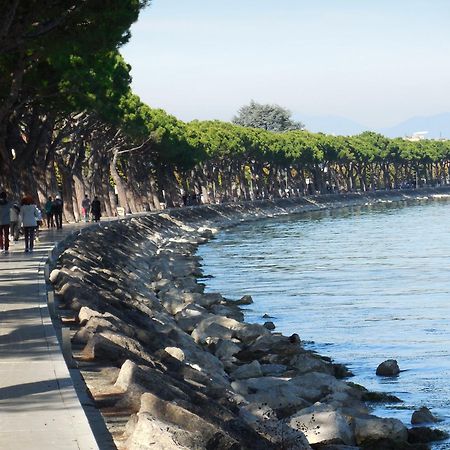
(26, 216)
(54, 212)
(13, 217)
(93, 207)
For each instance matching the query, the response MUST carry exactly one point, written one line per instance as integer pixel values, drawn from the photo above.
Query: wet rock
(269, 325)
(423, 435)
(388, 368)
(244, 300)
(423, 415)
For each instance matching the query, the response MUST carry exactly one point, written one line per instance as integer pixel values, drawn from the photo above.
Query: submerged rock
(423, 415)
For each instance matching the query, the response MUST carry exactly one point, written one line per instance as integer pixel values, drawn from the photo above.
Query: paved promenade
(39, 408)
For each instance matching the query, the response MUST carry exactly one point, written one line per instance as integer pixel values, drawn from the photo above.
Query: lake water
(358, 284)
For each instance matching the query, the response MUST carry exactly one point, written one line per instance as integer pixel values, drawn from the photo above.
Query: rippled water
(362, 284)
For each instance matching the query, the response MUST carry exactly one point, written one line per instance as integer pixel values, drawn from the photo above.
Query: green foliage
(268, 117)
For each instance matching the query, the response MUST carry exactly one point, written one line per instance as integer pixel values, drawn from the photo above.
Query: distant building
(417, 136)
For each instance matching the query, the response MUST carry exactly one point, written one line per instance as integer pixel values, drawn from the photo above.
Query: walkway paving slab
(39, 407)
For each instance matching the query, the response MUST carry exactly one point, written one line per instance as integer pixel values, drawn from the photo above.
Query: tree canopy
(268, 117)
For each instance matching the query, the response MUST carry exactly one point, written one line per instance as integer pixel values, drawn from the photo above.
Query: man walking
(57, 209)
(95, 209)
(5, 220)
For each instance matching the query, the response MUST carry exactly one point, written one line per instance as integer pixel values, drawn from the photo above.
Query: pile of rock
(173, 367)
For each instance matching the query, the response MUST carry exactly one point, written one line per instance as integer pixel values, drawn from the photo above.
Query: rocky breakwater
(172, 367)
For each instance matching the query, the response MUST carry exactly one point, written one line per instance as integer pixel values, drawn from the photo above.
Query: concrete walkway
(39, 407)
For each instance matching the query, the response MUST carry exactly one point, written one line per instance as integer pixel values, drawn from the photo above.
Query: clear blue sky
(375, 61)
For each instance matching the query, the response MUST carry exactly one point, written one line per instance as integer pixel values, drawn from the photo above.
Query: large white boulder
(323, 424)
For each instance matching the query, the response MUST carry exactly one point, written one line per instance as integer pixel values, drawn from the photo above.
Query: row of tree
(69, 123)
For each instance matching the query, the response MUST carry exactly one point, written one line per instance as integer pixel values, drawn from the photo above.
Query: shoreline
(140, 320)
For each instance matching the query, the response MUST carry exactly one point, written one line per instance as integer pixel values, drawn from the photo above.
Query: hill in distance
(437, 126)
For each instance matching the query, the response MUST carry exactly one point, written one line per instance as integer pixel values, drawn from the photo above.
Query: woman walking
(29, 215)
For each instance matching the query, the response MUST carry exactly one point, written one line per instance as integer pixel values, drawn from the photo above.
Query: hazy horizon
(375, 63)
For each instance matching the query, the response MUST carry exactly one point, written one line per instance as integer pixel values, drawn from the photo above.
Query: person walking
(85, 208)
(57, 210)
(29, 215)
(5, 221)
(49, 212)
(14, 222)
(95, 209)
(38, 224)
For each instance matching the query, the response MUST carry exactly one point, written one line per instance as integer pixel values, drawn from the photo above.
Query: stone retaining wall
(172, 367)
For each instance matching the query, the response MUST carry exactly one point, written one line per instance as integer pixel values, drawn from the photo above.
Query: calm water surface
(361, 285)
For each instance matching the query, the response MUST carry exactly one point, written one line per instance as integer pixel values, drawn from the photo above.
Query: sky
(377, 62)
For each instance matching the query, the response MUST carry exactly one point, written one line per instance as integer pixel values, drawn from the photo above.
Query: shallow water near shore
(360, 285)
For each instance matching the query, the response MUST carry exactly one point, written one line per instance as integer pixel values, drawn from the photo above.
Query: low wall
(170, 366)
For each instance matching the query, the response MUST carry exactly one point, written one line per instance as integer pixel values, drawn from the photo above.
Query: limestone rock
(264, 420)
(273, 369)
(164, 423)
(190, 316)
(252, 370)
(306, 362)
(149, 433)
(273, 391)
(372, 428)
(323, 424)
(228, 311)
(225, 349)
(269, 343)
(226, 328)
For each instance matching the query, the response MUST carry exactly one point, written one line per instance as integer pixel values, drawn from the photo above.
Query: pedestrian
(57, 210)
(38, 223)
(95, 209)
(85, 207)
(28, 216)
(5, 221)
(49, 212)
(14, 221)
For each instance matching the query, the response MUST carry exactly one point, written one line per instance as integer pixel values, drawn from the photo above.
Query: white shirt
(29, 215)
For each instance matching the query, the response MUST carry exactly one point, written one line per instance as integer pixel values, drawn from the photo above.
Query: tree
(51, 50)
(268, 117)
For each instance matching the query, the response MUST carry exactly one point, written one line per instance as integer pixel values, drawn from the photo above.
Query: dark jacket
(57, 205)
(95, 208)
(5, 206)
